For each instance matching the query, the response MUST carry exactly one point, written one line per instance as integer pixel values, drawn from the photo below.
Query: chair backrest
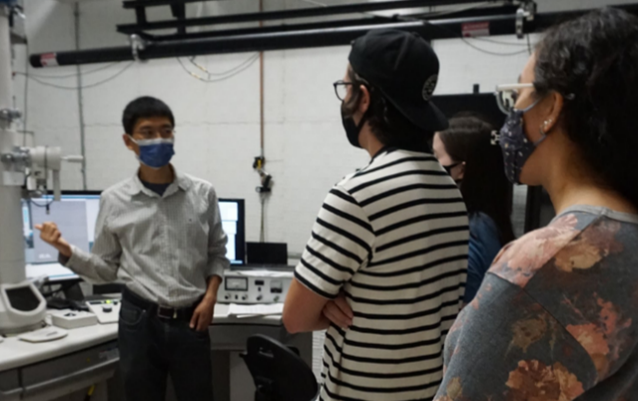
(279, 373)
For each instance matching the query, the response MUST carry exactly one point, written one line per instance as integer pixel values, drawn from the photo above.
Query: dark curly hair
(593, 62)
(386, 122)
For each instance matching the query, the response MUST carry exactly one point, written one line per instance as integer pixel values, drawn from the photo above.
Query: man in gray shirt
(160, 233)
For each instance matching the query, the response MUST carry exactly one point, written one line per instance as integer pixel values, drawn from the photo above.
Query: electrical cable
(25, 112)
(73, 75)
(236, 72)
(315, 3)
(93, 85)
(262, 231)
(205, 70)
(498, 42)
(492, 53)
(529, 45)
(41, 206)
(46, 177)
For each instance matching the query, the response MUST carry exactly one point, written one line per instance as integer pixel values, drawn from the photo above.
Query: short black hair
(484, 187)
(145, 107)
(387, 123)
(593, 62)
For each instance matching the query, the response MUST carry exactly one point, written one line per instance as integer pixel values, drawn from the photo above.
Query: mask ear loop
(528, 108)
(543, 132)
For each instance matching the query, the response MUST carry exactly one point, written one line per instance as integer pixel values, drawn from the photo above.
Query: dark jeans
(151, 348)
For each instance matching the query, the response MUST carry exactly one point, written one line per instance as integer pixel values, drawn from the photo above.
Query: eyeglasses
(341, 89)
(506, 96)
(150, 133)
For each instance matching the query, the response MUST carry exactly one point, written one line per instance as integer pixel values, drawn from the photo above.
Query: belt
(163, 312)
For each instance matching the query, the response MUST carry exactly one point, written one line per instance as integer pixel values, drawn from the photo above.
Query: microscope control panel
(254, 287)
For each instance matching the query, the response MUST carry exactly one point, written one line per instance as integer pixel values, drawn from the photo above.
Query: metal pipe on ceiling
(270, 29)
(291, 14)
(221, 45)
(475, 12)
(432, 30)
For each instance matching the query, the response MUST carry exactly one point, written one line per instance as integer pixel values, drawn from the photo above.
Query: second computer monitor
(233, 214)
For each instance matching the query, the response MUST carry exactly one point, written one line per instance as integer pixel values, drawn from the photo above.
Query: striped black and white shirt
(392, 237)
(163, 248)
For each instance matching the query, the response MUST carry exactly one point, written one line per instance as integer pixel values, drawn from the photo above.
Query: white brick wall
(218, 123)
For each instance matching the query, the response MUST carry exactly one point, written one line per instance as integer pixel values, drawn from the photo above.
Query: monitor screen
(232, 214)
(76, 216)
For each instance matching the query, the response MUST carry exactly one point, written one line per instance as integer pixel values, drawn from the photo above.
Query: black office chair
(279, 373)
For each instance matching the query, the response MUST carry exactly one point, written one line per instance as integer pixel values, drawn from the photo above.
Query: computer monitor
(267, 253)
(75, 215)
(233, 220)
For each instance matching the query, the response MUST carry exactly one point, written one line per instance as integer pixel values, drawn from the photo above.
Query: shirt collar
(182, 181)
(381, 151)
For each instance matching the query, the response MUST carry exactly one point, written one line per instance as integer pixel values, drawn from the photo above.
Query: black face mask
(449, 171)
(352, 129)
(450, 167)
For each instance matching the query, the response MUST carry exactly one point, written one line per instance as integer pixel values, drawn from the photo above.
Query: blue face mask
(515, 145)
(155, 153)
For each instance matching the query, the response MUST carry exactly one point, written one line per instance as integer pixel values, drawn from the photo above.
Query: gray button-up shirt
(163, 248)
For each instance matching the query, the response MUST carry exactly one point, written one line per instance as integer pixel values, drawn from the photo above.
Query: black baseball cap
(403, 66)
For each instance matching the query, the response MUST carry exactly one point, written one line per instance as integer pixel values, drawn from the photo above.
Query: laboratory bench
(65, 369)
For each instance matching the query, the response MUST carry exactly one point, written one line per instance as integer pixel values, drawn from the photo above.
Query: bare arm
(303, 310)
(341, 242)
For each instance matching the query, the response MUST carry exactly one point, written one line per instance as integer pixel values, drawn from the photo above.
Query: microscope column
(11, 231)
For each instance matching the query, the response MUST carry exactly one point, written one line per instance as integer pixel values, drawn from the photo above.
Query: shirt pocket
(196, 234)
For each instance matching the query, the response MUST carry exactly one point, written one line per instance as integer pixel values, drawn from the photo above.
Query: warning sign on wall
(49, 60)
(474, 29)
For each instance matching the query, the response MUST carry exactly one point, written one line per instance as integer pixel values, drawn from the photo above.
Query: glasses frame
(157, 134)
(507, 88)
(339, 83)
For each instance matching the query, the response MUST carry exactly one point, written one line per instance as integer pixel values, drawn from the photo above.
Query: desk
(45, 371)
(88, 355)
(228, 339)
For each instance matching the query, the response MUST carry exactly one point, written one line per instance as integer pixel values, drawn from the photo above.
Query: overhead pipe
(155, 3)
(290, 14)
(221, 45)
(340, 23)
(257, 42)
(270, 29)
(432, 30)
